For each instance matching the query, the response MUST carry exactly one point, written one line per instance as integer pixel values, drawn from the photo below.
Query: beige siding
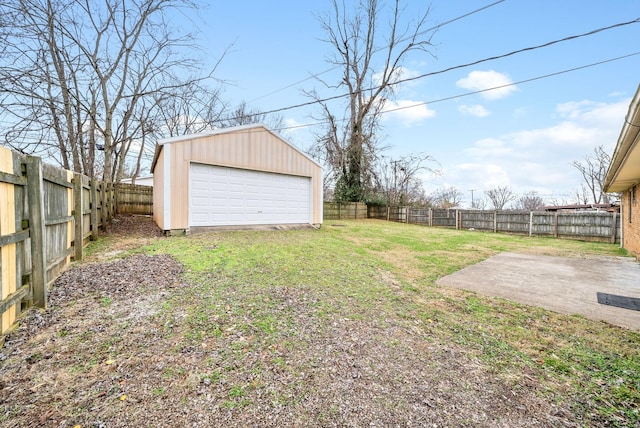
(8, 266)
(158, 195)
(255, 148)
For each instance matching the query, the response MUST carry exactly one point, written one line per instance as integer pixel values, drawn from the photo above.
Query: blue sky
(524, 136)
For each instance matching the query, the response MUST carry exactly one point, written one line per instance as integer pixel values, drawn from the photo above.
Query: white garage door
(221, 196)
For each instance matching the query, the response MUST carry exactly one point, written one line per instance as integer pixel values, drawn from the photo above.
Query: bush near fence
(47, 216)
(583, 225)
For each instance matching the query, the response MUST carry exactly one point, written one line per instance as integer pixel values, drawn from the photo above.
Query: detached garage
(241, 176)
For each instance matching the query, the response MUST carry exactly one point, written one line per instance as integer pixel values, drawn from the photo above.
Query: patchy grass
(340, 326)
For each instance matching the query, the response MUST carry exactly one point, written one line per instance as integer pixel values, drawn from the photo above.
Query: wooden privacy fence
(338, 211)
(134, 199)
(47, 215)
(582, 225)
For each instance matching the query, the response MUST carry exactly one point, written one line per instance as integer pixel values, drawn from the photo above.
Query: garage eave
(624, 169)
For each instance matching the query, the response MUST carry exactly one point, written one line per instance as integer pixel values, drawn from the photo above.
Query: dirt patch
(134, 225)
(124, 233)
(59, 361)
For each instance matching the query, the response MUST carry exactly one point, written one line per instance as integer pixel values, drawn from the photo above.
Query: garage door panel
(200, 202)
(226, 196)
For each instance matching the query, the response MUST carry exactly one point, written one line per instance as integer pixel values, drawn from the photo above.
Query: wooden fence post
(37, 231)
(112, 202)
(406, 214)
(614, 227)
(77, 215)
(530, 223)
(555, 224)
(94, 209)
(103, 205)
(430, 216)
(495, 221)
(457, 219)
(339, 211)
(388, 212)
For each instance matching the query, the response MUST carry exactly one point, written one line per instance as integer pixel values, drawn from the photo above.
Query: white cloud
(293, 125)
(573, 109)
(474, 110)
(485, 80)
(407, 112)
(595, 113)
(540, 159)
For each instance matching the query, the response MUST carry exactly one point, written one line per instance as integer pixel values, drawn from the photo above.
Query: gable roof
(255, 127)
(624, 169)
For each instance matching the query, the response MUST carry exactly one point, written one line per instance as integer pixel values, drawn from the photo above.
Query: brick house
(623, 176)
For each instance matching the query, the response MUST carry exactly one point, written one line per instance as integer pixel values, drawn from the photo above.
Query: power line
(544, 76)
(466, 94)
(436, 27)
(457, 67)
(452, 97)
(467, 65)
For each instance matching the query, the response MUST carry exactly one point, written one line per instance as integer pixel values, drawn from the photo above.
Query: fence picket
(46, 213)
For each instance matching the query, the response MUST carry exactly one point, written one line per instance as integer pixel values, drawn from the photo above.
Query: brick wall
(631, 220)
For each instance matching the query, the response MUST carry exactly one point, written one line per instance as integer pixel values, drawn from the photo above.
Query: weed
(210, 378)
(236, 392)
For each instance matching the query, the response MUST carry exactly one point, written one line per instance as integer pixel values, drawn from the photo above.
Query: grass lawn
(346, 326)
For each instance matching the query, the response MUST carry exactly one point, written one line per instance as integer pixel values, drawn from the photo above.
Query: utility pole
(472, 204)
(395, 178)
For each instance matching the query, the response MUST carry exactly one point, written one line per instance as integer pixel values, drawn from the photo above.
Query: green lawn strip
(249, 289)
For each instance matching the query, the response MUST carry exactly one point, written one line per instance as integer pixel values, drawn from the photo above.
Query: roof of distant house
(582, 207)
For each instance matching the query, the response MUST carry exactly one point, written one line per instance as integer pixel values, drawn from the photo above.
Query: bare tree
(500, 196)
(529, 201)
(594, 169)
(479, 204)
(583, 195)
(78, 77)
(243, 114)
(447, 197)
(370, 57)
(398, 180)
(187, 108)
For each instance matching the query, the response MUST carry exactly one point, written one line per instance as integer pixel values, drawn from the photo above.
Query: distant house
(139, 181)
(623, 176)
(234, 177)
(582, 207)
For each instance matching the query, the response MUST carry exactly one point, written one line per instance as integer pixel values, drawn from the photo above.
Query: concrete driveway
(562, 284)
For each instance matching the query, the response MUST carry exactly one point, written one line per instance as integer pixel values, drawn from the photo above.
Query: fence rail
(584, 225)
(47, 215)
